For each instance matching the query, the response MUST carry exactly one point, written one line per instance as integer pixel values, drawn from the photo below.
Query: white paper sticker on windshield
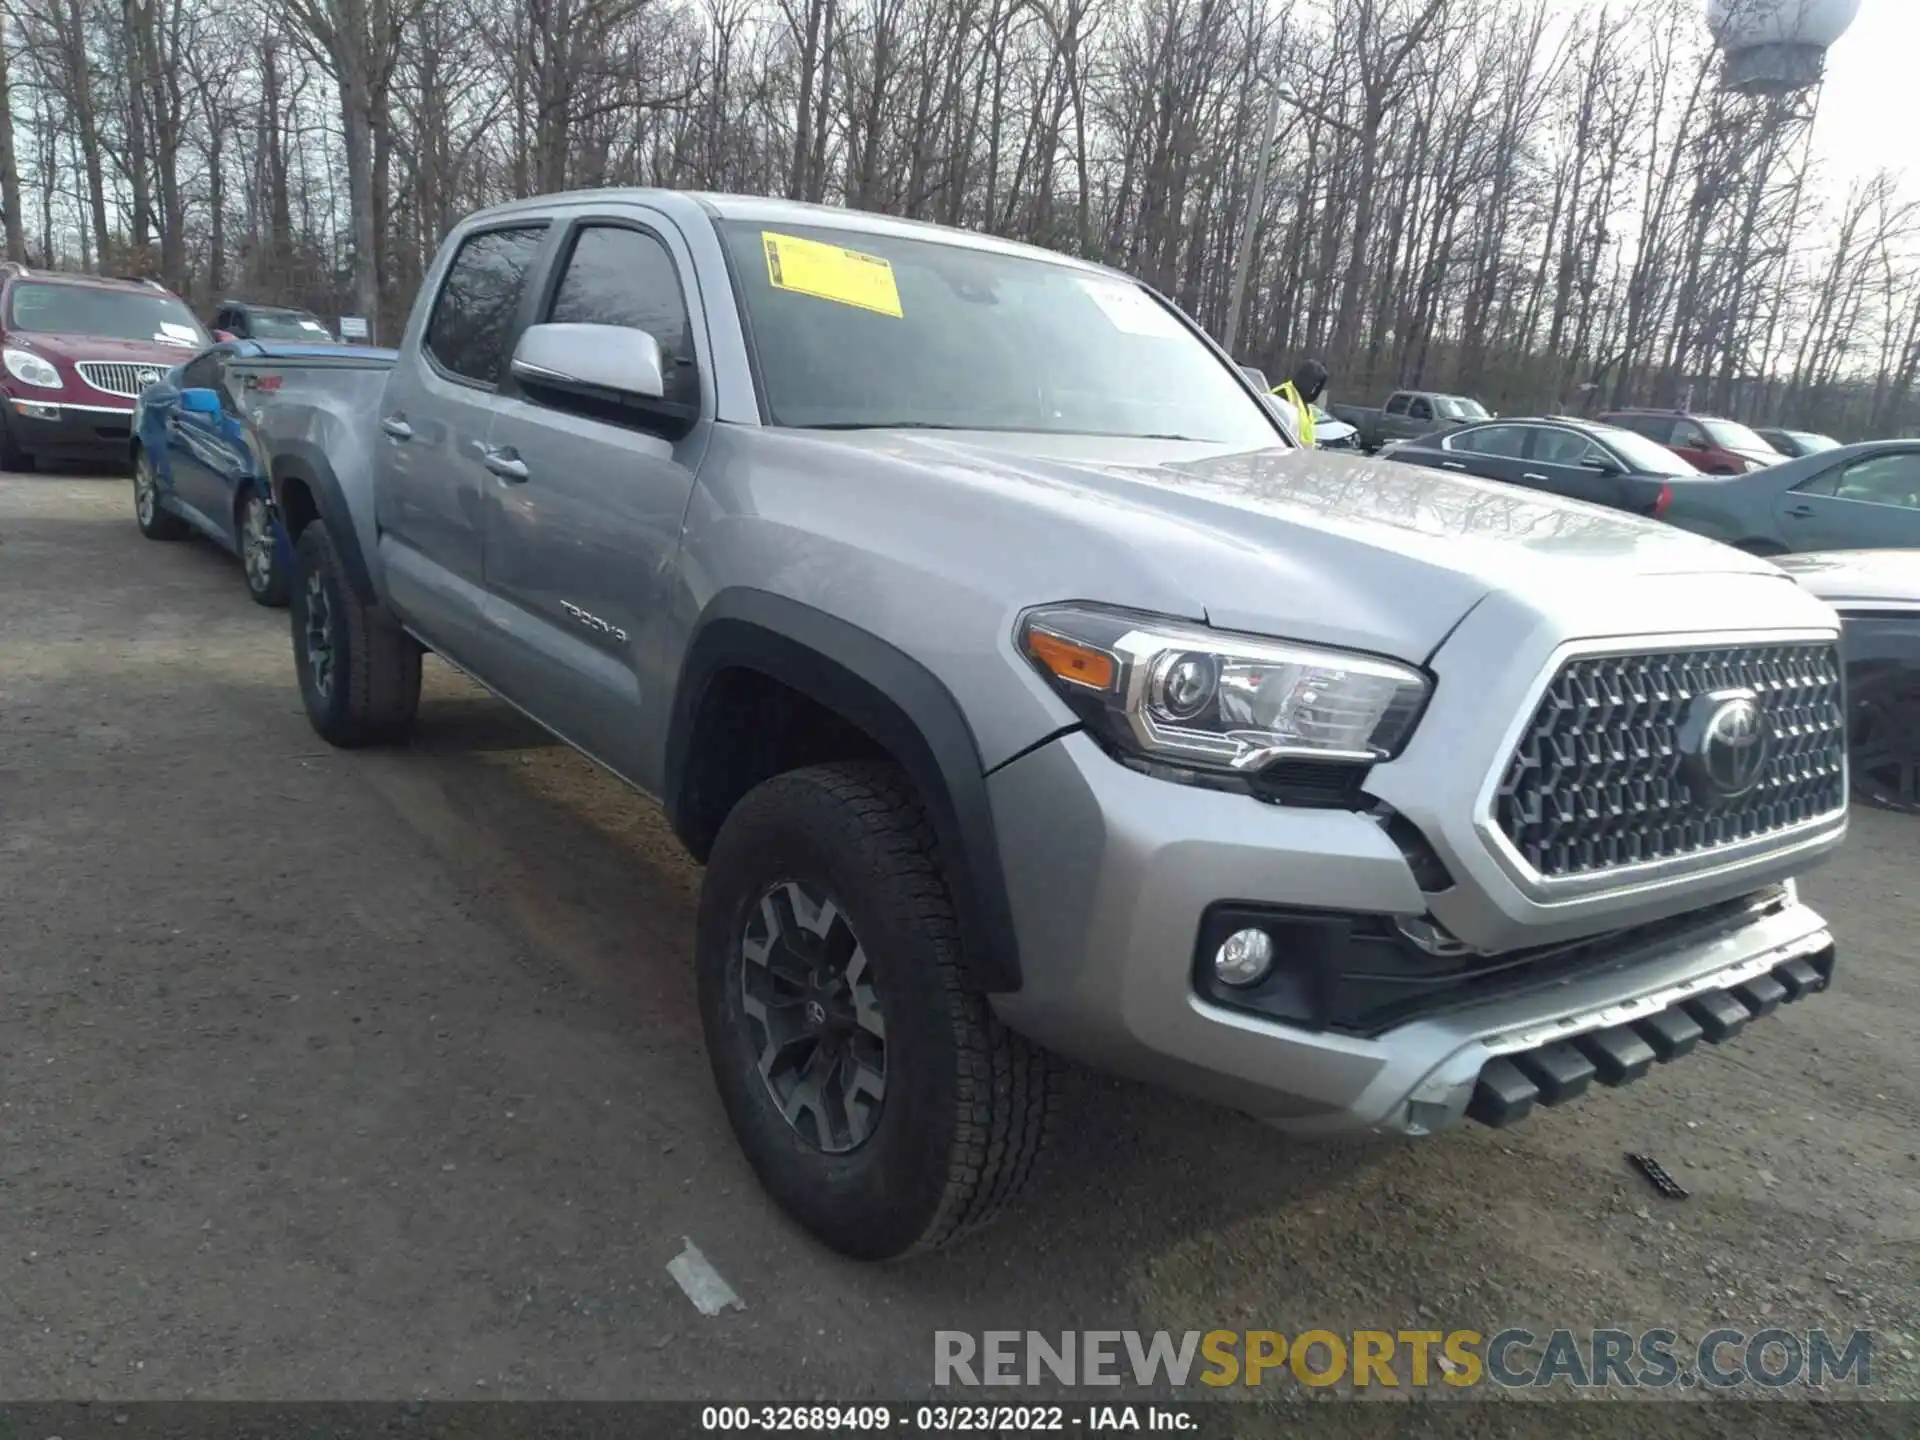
(183, 334)
(1131, 309)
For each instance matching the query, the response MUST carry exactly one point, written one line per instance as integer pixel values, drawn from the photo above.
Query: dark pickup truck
(1409, 414)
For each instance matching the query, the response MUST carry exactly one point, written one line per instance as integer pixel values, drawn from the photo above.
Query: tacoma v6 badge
(593, 622)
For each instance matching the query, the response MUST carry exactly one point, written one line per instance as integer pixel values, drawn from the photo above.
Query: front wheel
(155, 521)
(260, 552)
(359, 672)
(876, 1096)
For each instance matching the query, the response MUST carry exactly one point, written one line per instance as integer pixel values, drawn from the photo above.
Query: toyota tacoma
(1027, 693)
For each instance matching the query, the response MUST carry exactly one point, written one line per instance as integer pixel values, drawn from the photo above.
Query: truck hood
(1304, 543)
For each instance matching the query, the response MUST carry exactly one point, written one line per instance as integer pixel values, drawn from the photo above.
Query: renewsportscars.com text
(1512, 1358)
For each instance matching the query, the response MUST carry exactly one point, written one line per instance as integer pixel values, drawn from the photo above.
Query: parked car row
(1057, 705)
(1844, 497)
(77, 351)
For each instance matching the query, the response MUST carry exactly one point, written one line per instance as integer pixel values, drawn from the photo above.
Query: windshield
(1451, 407)
(1735, 437)
(855, 330)
(1811, 444)
(286, 325)
(110, 314)
(1642, 454)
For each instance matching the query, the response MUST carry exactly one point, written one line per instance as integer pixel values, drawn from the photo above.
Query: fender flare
(306, 463)
(893, 698)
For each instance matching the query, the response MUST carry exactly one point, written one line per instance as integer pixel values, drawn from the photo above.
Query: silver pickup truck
(1025, 692)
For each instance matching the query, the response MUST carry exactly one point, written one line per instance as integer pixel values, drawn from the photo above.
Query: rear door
(1869, 504)
(1494, 452)
(1420, 419)
(435, 416)
(585, 506)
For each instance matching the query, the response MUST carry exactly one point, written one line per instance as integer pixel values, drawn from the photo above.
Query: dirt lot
(378, 1075)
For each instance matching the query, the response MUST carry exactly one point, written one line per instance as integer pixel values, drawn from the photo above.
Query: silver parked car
(1025, 690)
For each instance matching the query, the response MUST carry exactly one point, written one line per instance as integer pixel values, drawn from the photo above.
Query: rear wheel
(260, 552)
(155, 522)
(1884, 742)
(359, 672)
(876, 1096)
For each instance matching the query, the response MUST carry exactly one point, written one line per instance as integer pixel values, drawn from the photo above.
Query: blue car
(197, 465)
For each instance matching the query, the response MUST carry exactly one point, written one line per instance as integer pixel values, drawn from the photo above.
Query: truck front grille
(1616, 767)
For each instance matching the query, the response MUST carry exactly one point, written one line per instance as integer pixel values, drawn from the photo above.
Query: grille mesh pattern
(116, 377)
(1598, 779)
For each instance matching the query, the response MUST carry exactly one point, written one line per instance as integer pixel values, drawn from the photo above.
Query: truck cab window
(1420, 410)
(467, 332)
(621, 276)
(1397, 405)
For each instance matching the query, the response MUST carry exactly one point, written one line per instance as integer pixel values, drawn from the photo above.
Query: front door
(1870, 504)
(584, 512)
(435, 417)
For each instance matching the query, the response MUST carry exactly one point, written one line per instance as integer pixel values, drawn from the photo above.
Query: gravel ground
(379, 1075)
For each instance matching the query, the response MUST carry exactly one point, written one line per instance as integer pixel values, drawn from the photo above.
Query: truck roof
(759, 209)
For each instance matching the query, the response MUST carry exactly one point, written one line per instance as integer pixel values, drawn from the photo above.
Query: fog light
(1245, 958)
(33, 410)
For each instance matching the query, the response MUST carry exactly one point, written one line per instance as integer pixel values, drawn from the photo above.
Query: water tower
(1777, 47)
(1735, 298)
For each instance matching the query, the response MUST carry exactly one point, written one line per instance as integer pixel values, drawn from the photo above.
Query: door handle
(506, 463)
(1801, 512)
(1451, 465)
(397, 427)
(1537, 479)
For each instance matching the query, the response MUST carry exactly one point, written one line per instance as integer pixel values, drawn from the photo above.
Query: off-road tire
(968, 1103)
(372, 688)
(156, 522)
(271, 588)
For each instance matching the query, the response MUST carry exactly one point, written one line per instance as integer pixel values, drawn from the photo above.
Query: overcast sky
(1870, 108)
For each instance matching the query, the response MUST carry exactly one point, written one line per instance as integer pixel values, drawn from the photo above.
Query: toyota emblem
(1725, 744)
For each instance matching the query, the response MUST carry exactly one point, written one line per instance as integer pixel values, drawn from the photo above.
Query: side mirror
(1257, 376)
(612, 372)
(1602, 467)
(201, 401)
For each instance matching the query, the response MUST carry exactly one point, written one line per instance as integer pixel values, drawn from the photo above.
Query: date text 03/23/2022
(945, 1419)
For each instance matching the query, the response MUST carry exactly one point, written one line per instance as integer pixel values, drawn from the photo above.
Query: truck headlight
(1205, 700)
(30, 369)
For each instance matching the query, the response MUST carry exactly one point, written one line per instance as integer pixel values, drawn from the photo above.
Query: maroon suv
(75, 351)
(1712, 445)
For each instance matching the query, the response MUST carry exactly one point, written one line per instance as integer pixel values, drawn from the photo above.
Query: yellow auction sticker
(829, 272)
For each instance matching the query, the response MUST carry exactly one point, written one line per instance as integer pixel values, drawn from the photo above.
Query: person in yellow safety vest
(1308, 384)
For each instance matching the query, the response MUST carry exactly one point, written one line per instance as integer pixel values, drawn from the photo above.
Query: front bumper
(1111, 875)
(51, 427)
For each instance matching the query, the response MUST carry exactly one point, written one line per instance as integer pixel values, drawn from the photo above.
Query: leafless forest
(1549, 205)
